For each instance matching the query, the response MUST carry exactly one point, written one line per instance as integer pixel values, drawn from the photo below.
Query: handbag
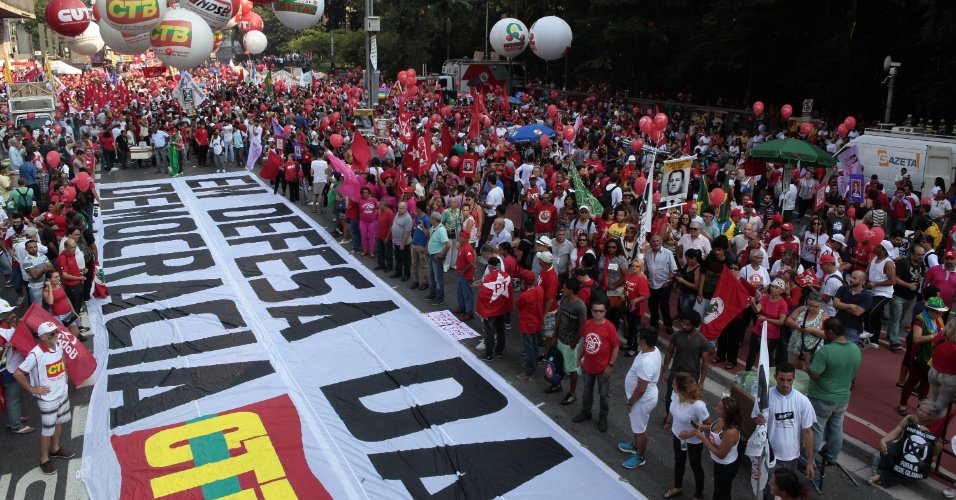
(803, 340)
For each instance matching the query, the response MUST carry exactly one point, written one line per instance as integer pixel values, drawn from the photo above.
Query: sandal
(673, 492)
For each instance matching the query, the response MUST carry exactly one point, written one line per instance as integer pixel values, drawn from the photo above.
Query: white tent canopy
(61, 68)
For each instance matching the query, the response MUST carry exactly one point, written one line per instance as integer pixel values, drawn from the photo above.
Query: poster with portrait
(856, 189)
(676, 180)
(820, 197)
(469, 165)
(849, 161)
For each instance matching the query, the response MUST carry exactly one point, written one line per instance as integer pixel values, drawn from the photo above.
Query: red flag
(80, 364)
(505, 103)
(419, 157)
(271, 167)
(730, 298)
(496, 295)
(446, 140)
(407, 160)
(808, 278)
(361, 154)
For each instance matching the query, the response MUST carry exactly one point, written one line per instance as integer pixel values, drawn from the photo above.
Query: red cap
(949, 255)
(787, 227)
(827, 259)
(777, 218)
(737, 213)
(749, 203)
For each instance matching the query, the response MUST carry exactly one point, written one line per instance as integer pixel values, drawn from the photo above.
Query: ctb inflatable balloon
(88, 43)
(182, 40)
(255, 42)
(298, 14)
(550, 38)
(508, 37)
(124, 44)
(132, 16)
(250, 22)
(67, 17)
(216, 13)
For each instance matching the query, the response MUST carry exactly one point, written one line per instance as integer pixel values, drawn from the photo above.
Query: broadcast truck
(30, 97)
(925, 156)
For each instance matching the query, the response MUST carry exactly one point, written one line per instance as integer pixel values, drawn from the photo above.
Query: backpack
(24, 202)
(606, 197)
(553, 366)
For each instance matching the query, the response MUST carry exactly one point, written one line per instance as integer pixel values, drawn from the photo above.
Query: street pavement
(21, 479)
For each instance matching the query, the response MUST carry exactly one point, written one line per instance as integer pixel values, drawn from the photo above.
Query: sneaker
(949, 493)
(62, 453)
(553, 389)
(488, 358)
(626, 447)
(569, 399)
(48, 468)
(480, 346)
(633, 462)
(522, 376)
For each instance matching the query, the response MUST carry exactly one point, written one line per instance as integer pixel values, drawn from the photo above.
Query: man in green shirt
(438, 246)
(831, 377)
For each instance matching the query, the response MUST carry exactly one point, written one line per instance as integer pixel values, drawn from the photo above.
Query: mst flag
(730, 298)
(758, 447)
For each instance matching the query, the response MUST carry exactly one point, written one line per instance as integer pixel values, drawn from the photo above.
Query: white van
(925, 156)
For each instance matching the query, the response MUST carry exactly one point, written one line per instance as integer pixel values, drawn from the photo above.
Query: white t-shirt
(318, 170)
(789, 416)
(700, 243)
(46, 368)
(830, 284)
(14, 358)
(759, 277)
(646, 366)
(810, 241)
(684, 413)
(939, 208)
(779, 266)
(495, 197)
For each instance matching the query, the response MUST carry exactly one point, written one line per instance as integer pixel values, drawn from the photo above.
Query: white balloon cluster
(549, 37)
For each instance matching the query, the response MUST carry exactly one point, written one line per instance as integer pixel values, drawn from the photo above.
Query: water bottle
(683, 445)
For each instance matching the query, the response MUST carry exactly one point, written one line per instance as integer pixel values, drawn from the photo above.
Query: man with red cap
(786, 241)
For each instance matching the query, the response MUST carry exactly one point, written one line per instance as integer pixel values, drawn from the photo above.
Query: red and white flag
(730, 298)
(80, 364)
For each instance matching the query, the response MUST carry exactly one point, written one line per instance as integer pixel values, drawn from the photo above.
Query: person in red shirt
(548, 279)
(495, 301)
(291, 173)
(530, 320)
(636, 292)
(109, 150)
(599, 349)
(771, 309)
(383, 236)
(545, 215)
(465, 265)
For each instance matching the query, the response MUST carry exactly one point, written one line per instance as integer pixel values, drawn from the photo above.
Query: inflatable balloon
(639, 184)
(69, 194)
(382, 150)
(182, 40)
(842, 130)
(646, 125)
(216, 13)
(552, 110)
(122, 43)
(758, 108)
(850, 123)
(88, 43)
(53, 159)
(660, 121)
(298, 14)
(637, 144)
(550, 37)
(871, 235)
(544, 140)
(454, 161)
(786, 111)
(716, 196)
(67, 17)
(569, 132)
(335, 140)
(132, 17)
(250, 22)
(83, 181)
(508, 37)
(255, 42)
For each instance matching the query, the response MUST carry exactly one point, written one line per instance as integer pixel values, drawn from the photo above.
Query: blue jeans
(530, 347)
(899, 309)
(14, 394)
(853, 335)
(685, 302)
(436, 275)
(829, 427)
(466, 296)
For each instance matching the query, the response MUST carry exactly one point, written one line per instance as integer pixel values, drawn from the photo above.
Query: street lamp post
(372, 26)
(892, 68)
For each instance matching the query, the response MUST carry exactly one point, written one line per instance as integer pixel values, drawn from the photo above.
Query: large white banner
(246, 355)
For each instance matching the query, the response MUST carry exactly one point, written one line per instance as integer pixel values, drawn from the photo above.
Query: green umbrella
(790, 151)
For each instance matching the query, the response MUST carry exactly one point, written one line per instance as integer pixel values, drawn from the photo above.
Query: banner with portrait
(676, 180)
(857, 185)
(848, 160)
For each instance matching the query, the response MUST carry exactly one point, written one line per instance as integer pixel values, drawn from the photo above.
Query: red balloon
(83, 181)
(53, 158)
(457, 117)
(336, 140)
(646, 125)
(454, 161)
(411, 72)
(552, 110)
(69, 194)
(402, 76)
(435, 118)
(806, 128)
(487, 121)
(786, 111)
(657, 197)
(554, 94)
(841, 130)
(639, 184)
(411, 90)
(717, 197)
(67, 17)
(851, 212)
(544, 141)
(758, 108)
(637, 144)
(308, 108)
(446, 110)
(382, 150)
(324, 122)
(262, 107)
(569, 133)
(850, 122)
(660, 121)
(31, 116)
(336, 116)
(871, 235)
(926, 201)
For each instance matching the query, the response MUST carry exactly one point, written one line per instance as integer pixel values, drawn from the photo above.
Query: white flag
(758, 447)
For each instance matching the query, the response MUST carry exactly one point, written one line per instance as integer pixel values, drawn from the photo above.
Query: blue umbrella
(531, 133)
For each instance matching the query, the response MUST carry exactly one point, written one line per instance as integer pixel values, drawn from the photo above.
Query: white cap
(631, 158)
(48, 327)
(5, 307)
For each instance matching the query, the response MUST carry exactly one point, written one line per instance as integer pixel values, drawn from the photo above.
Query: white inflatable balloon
(131, 16)
(550, 38)
(255, 42)
(88, 43)
(216, 13)
(182, 40)
(508, 37)
(124, 44)
(298, 14)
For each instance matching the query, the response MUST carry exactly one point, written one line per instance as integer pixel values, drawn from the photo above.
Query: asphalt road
(20, 477)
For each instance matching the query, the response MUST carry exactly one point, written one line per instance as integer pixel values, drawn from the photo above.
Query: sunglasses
(598, 311)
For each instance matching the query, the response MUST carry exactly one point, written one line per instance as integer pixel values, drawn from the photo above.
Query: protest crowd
(582, 248)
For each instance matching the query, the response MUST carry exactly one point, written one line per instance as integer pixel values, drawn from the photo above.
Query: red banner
(361, 154)
(729, 300)
(80, 364)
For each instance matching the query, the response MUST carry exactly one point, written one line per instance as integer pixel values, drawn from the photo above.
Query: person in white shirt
(217, 152)
(228, 144)
(320, 176)
(46, 369)
(693, 239)
(495, 197)
(831, 282)
(640, 388)
(788, 201)
(687, 413)
(10, 360)
(791, 421)
(754, 272)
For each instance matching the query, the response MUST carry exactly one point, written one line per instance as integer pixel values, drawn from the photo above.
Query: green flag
(703, 197)
(581, 195)
(268, 82)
